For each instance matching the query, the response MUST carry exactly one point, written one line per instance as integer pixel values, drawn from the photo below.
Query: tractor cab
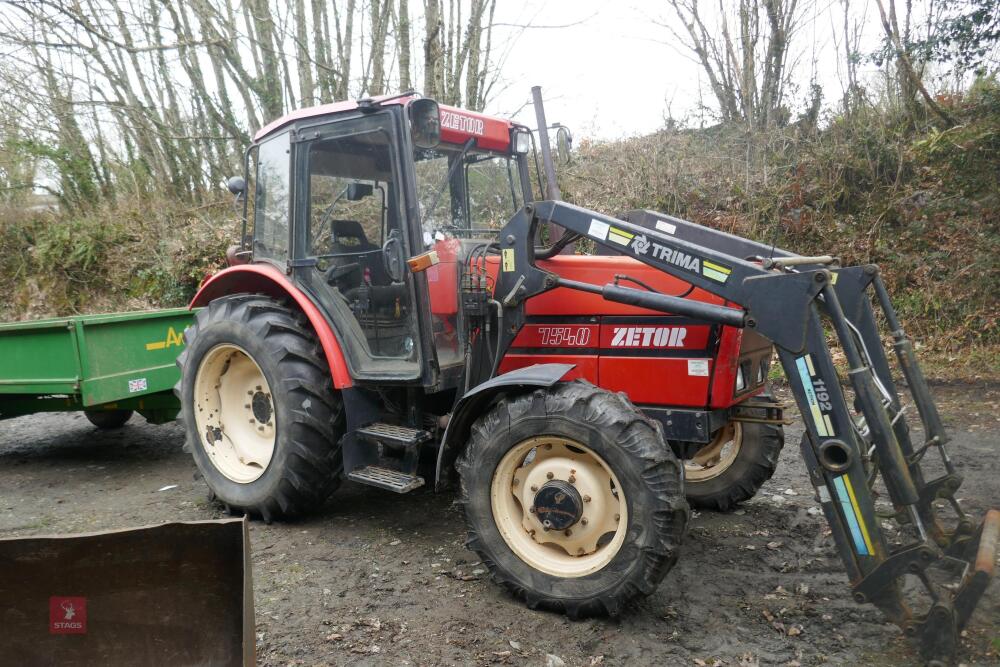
(344, 194)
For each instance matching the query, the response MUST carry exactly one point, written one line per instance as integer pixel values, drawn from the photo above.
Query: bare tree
(743, 52)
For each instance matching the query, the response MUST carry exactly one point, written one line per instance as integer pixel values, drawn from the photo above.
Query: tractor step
(392, 434)
(386, 478)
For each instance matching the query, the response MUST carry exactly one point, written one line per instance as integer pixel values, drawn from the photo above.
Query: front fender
(266, 279)
(475, 402)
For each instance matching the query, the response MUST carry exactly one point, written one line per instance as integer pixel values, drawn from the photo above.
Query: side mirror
(358, 191)
(236, 185)
(564, 143)
(425, 123)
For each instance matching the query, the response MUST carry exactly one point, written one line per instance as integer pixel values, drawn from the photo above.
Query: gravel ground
(375, 578)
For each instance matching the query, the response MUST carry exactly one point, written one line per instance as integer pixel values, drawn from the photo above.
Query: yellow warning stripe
(717, 267)
(857, 513)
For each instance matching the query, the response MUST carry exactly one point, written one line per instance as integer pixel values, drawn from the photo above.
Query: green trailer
(107, 365)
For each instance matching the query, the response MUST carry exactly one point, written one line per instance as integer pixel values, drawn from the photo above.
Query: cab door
(351, 243)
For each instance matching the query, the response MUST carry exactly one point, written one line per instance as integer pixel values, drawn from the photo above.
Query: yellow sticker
(508, 259)
(620, 236)
(833, 277)
(173, 338)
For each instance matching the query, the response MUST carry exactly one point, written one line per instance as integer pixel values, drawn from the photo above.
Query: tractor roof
(457, 125)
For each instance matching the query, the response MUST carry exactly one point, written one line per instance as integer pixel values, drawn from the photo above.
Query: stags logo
(648, 337)
(67, 616)
(454, 121)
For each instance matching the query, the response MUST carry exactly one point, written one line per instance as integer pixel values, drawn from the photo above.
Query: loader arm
(852, 458)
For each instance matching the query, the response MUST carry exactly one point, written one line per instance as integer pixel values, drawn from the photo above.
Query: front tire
(262, 420)
(732, 468)
(581, 445)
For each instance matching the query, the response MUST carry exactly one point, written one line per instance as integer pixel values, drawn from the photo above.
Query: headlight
(522, 142)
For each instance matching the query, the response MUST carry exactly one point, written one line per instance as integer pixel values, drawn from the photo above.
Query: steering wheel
(392, 256)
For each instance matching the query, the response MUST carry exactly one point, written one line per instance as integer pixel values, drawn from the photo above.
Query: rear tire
(262, 420)
(739, 476)
(107, 419)
(578, 431)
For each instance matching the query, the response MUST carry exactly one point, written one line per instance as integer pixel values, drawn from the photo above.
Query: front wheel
(732, 468)
(572, 499)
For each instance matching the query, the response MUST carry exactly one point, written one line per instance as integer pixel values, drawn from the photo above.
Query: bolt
(247, 406)
(258, 387)
(252, 420)
(568, 533)
(270, 423)
(549, 475)
(584, 521)
(572, 479)
(249, 393)
(548, 446)
(572, 471)
(586, 499)
(532, 509)
(820, 277)
(618, 517)
(579, 551)
(534, 488)
(260, 428)
(516, 482)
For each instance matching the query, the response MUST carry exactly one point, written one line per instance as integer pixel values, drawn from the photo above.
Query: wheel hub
(558, 505)
(261, 407)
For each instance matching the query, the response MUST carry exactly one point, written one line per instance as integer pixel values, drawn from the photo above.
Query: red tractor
(402, 309)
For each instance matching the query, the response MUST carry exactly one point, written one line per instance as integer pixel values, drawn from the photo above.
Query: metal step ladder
(384, 477)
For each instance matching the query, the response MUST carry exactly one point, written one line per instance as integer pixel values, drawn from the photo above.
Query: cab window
(272, 200)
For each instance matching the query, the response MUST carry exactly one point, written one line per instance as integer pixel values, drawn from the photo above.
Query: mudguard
(473, 403)
(266, 279)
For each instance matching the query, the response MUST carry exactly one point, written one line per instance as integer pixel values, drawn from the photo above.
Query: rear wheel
(572, 499)
(732, 468)
(263, 422)
(108, 419)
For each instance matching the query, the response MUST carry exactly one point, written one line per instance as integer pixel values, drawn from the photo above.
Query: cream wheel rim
(234, 412)
(717, 456)
(596, 536)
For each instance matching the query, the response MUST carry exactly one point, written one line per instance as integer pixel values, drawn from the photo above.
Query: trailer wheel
(572, 499)
(732, 468)
(108, 419)
(262, 419)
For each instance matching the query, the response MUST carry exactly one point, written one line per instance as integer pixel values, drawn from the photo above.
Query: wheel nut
(586, 499)
(572, 479)
(618, 517)
(531, 509)
(247, 406)
(249, 393)
(260, 428)
(549, 475)
(534, 488)
(515, 482)
(258, 387)
(579, 551)
(583, 521)
(568, 532)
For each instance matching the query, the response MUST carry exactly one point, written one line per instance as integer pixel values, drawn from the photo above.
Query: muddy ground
(376, 578)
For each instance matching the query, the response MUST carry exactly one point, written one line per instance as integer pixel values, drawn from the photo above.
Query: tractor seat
(349, 236)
